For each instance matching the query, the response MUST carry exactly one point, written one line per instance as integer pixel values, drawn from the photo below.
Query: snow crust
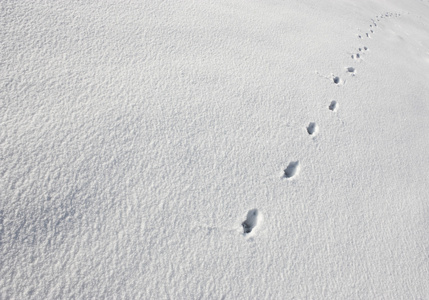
(138, 136)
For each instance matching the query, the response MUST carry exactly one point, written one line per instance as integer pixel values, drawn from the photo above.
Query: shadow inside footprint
(292, 170)
(333, 106)
(312, 128)
(251, 221)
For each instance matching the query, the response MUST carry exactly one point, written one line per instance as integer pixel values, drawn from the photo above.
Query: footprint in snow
(337, 80)
(292, 170)
(351, 70)
(360, 50)
(253, 217)
(333, 106)
(312, 129)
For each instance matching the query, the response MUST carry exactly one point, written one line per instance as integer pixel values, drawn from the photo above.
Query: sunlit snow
(240, 149)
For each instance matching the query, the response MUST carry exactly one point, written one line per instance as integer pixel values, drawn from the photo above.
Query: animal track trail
(371, 30)
(251, 222)
(387, 15)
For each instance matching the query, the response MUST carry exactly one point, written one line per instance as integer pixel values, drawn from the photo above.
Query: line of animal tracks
(292, 170)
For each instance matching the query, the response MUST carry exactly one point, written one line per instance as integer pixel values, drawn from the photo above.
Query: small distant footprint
(292, 170)
(351, 70)
(253, 217)
(312, 128)
(333, 106)
(337, 80)
(356, 56)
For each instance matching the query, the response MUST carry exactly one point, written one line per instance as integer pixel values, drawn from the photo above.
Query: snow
(137, 137)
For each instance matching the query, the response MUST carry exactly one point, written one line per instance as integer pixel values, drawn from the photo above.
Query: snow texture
(136, 137)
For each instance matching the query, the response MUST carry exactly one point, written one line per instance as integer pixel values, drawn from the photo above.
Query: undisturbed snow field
(246, 149)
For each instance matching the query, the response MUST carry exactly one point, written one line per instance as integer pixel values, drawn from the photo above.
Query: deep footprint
(312, 128)
(251, 221)
(292, 170)
(333, 106)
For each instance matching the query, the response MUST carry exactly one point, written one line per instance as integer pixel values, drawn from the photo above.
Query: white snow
(138, 136)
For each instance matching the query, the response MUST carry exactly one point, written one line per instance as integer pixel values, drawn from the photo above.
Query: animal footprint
(356, 56)
(253, 217)
(337, 80)
(312, 128)
(292, 170)
(333, 106)
(351, 70)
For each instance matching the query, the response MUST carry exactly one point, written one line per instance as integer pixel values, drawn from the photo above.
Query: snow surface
(137, 137)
